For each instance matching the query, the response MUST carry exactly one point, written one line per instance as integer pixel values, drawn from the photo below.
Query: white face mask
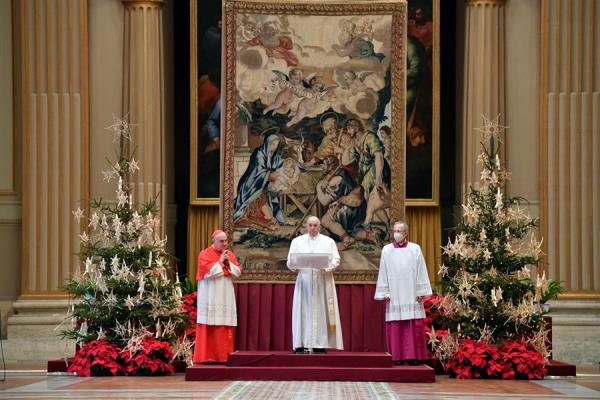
(398, 237)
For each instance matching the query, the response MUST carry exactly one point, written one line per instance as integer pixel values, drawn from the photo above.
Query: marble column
(51, 49)
(52, 40)
(570, 144)
(483, 81)
(143, 95)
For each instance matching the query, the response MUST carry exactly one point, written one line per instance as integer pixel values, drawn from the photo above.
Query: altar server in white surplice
(402, 283)
(315, 316)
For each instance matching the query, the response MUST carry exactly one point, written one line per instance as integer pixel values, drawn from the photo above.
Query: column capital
(135, 3)
(485, 2)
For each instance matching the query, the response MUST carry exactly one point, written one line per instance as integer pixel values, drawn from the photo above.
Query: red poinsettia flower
(189, 305)
(97, 358)
(190, 308)
(432, 301)
(521, 361)
(153, 358)
(513, 360)
(474, 359)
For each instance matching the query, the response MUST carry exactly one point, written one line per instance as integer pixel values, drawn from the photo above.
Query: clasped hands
(225, 260)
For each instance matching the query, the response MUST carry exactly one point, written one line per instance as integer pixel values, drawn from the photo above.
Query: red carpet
(334, 366)
(558, 368)
(289, 359)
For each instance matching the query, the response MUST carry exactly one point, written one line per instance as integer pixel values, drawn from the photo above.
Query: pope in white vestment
(315, 314)
(403, 282)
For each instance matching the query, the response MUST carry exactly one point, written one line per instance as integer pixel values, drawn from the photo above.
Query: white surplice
(315, 314)
(402, 277)
(216, 297)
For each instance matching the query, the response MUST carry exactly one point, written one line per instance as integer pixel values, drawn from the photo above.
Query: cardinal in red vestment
(217, 315)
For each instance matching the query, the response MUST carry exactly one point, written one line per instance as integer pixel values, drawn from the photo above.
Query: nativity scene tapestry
(313, 124)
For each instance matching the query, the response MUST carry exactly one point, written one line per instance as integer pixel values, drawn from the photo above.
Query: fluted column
(570, 144)
(52, 42)
(143, 94)
(483, 89)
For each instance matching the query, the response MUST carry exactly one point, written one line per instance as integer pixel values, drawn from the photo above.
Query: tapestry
(314, 124)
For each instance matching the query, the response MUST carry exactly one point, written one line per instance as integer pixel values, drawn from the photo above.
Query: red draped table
(265, 317)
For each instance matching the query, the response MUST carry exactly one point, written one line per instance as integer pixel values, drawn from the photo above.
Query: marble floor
(25, 382)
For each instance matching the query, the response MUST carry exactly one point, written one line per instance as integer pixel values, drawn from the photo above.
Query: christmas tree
(126, 306)
(490, 293)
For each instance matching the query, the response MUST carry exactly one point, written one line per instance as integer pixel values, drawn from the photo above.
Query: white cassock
(315, 314)
(402, 277)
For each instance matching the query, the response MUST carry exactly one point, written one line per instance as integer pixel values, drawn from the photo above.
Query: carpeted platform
(558, 368)
(288, 359)
(286, 366)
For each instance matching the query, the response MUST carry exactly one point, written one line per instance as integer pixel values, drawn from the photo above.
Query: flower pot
(546, 308)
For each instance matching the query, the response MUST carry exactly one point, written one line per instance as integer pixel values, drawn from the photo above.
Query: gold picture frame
(423, 147)
(415, 166)
(281, 62)
(199, 174)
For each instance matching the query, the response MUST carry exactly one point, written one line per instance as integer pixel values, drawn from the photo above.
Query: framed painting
(205, 101)
(422, 103)
(314, 124)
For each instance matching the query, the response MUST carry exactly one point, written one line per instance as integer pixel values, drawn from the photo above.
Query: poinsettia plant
(521, 361)
(436, 325)
(474, 359)
(98, 358)
(102, 358)
(432, 306)
(152, 357)
(189, 308)
(512, 360)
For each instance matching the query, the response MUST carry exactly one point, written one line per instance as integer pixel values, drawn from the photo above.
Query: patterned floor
(307, 390)
(37, 385)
